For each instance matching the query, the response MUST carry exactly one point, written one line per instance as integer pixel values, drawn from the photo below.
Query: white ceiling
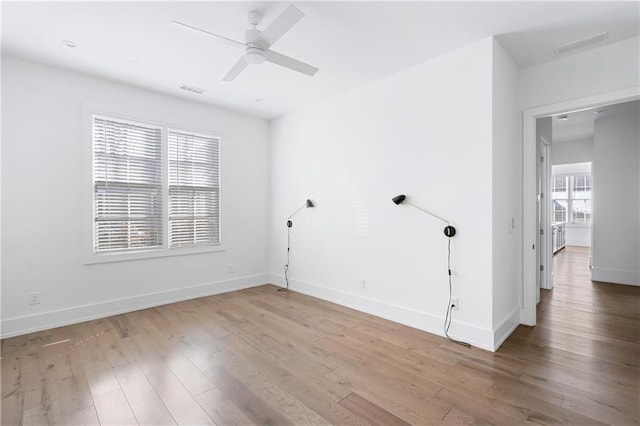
(580, 124)
(352, 43)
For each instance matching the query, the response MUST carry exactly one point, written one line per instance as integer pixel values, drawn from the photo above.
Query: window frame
(565, 212)
(216, 189)
(90, 256)
(159, 185)
(570, 179)
(564, 189)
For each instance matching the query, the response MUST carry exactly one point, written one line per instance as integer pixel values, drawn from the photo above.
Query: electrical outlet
(230, 268)
(363, 283)
(454, 303)
(34, 298)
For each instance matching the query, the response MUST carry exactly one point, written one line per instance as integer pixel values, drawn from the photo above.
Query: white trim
(506, 327)
(121, 256)
(545, 211)
(167, 182)
(476, 336)
(47, 320)
(529, 162)
(580, 225)
(615, 276)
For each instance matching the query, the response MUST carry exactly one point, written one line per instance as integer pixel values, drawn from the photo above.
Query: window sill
(93, 258)
(577, 225)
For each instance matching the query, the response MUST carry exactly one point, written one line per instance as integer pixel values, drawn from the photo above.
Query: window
(581, 199)
(560, 184)
(560, 196)
(127, 182)
(152, 199)
(582, 182)
(194, 179)
(571, 196)
(560, 211)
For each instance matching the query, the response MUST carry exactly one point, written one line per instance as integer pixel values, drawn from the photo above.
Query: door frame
(544, 240)
(529, 196)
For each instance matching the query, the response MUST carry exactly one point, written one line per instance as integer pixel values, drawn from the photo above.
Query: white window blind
(127, 182)
(194, 189)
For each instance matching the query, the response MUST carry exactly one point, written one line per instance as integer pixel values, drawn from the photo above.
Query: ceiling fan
(257, 43)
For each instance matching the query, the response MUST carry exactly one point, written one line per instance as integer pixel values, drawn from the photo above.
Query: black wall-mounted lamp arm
(306, 204)
(449, 230)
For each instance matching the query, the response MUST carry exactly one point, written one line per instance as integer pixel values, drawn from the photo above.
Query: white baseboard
(506, 327)
(46, 320)
(615, 276)
(476, 336)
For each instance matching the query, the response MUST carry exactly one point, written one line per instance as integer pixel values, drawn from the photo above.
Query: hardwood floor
(259, 356)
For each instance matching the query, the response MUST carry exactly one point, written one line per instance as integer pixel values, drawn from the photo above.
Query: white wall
(573, 151)
(577, 235)
(606, 69)
(506, 190)
(616, 203)
(43, 201)
(424, 132)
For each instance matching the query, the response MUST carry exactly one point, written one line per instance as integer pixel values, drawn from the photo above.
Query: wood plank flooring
(259, 356)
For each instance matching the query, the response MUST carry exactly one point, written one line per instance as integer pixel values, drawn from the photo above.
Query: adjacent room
(320, 213)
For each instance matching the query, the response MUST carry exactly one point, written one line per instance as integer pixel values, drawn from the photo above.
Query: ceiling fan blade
(236, 69)
(287, 62)
(194, 30)
(280, 26)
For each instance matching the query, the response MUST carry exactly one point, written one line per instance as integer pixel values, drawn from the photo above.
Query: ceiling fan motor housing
(251, 35)
(253, 53)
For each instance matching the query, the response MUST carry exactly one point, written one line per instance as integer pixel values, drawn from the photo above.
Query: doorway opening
(538, 216)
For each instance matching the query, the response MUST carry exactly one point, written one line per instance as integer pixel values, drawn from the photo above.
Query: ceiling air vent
(581, 44)
(193, 89)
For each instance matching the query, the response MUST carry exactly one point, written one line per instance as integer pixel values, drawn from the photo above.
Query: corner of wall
(476, 336)
(505, 328)
(505, 194)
